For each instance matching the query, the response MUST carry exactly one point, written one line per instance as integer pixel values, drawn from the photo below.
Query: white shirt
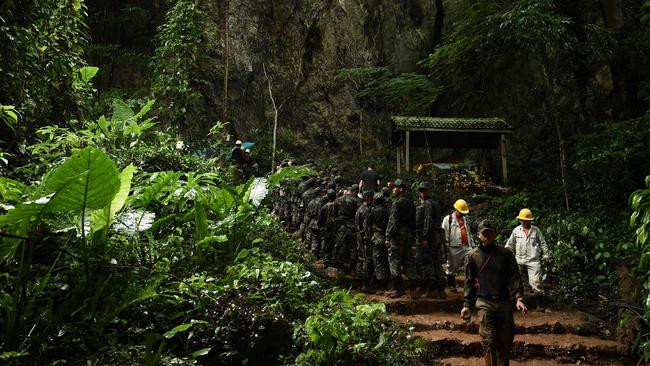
(527, 248)
(452, 231)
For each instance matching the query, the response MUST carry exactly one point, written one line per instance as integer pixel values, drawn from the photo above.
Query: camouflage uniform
(497, 285)
(345, 246)
(376, 223)
(327, 222)
(428, 258)
(364, 267)
(312, 237)
(287, 195)
(400, 232)
(303, 200)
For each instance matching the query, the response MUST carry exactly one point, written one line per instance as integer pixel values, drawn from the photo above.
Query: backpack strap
(477, 282)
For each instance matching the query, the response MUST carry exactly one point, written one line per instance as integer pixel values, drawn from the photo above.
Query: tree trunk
(226, 15)
(275, 118)
(439, 24)
(551, 100)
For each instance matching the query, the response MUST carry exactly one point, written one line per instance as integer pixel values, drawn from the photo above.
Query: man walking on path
(492, 280)
(428, 244)
(369, 180)
(458, 240)
(530, 249)
(400, 234)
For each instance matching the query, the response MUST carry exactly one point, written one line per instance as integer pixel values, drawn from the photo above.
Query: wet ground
(562, 336)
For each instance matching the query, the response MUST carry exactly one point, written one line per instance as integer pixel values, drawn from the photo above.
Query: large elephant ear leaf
(87, 180)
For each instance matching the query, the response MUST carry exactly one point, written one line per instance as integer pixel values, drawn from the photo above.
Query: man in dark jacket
(492, 280)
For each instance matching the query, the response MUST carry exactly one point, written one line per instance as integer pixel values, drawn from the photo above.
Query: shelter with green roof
(444, 132)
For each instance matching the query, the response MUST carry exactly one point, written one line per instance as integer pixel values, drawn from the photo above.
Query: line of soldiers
(381, 236)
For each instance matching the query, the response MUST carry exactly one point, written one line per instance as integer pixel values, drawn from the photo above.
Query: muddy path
(562, 336)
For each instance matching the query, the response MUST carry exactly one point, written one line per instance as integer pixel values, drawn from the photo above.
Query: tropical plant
(640, 222)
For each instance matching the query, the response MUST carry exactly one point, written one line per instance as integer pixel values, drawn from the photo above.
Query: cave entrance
(460, 134)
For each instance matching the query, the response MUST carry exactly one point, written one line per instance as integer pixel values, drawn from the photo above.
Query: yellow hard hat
(525, 214)
(462, 206)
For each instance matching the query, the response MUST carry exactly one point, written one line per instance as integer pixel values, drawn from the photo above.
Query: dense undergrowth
(118, 248)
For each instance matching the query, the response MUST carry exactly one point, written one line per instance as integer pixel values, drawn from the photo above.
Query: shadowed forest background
(115, 85)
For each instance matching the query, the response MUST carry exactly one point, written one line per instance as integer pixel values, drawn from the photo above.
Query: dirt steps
(560, 337)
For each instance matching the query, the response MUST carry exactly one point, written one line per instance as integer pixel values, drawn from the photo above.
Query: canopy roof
(486, 125)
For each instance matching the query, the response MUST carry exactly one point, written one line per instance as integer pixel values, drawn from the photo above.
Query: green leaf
(87, 180)
(144, 109)
(177, 329)
(201, 352)
(200, 221)
(87, 72)
(11, 190)
(121, 111)
(290, 172)
(104, 217)
(21, 213)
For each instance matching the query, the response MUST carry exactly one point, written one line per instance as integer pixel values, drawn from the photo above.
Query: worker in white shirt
(530, 249)
(458, 240)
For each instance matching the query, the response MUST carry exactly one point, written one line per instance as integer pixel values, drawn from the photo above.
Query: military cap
(354, 188)
(331, 194)
(486, 225)
(385, 191)
(379, 199)
(368, 194)
(399, 183)
(425, 186)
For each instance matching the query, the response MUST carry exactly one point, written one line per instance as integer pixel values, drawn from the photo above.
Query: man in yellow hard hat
(458, 240)
(530, 249)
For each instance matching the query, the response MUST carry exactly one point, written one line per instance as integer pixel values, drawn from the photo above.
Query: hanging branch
(275, 117)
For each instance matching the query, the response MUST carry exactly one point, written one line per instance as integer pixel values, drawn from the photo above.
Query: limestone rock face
(303, 45)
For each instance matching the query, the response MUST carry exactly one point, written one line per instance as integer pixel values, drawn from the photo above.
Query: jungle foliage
(117, 247)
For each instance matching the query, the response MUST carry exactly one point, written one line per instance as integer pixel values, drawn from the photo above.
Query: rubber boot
(451, 282)
(441, 292)
(431, 290)
(541, 302)
(365, 285)
(392, 288)
(380, 287)
(425, 289)
(399, 288)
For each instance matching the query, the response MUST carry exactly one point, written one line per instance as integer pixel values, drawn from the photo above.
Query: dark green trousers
(497, 328)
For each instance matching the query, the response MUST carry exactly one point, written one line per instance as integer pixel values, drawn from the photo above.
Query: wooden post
(399, 163)
(504, 160)
(408, 152)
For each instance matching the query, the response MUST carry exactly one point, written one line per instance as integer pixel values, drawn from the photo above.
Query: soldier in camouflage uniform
(400, 235)
(304, 200)
(285, 202)
(299, 214)
(327, 217)
(312, 237)
(428, 254)
(376, 222)
(364, 267)
(345, 246)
